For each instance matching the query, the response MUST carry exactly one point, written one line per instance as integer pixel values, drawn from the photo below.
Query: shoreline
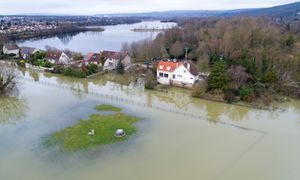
(22, 36)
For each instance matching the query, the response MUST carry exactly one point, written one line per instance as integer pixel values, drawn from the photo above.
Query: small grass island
(95, 131)
(107, 107)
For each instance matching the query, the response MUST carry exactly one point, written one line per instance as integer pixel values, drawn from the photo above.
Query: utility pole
(186, 53)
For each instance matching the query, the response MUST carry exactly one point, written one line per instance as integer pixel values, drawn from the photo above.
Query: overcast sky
(89, 7)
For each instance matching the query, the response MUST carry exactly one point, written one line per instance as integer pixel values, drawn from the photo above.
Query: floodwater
(111, 39)
(179, 137)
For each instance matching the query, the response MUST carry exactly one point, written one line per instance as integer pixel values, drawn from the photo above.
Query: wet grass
(107, 107)
(77, 137)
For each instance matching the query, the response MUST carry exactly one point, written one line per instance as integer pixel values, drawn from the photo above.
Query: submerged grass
(77, 137)
(107, 107)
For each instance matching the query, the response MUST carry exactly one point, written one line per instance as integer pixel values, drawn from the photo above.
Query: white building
(58, 57)
(11, 48)
(112, 59)
(183, 74)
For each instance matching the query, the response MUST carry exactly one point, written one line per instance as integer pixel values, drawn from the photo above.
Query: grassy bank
(77, 137)
(107, 107)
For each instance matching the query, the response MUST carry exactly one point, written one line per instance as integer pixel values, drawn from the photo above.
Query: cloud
(121, 6)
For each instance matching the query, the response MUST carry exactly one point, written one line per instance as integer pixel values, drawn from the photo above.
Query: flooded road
(179, 137)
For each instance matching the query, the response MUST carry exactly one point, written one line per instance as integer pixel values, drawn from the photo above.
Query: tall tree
(218, 78)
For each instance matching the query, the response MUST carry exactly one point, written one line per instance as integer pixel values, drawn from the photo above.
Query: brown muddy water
(179, 137)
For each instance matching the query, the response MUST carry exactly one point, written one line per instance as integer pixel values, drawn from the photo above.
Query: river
(179, 137)
(111, 39)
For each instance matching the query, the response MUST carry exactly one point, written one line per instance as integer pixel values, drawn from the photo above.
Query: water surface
(179, 137)
(111, 39)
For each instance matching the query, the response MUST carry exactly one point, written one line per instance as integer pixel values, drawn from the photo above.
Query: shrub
(150, 80)
(74, 73)
(47, 64)
(229, 95)
(58, 69)
(91, 69)
(269, 77)
(199, 89)
(246, 94)
(21, 63)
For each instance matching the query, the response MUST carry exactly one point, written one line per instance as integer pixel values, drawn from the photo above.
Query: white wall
(126, 61)
(180, 76)
(164, 80)
(110, 64)
(16, 51)
(64, 59)
(183, 75)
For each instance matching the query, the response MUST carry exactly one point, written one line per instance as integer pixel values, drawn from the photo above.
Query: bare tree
(7, 78)
(238, 75)
(176, 49)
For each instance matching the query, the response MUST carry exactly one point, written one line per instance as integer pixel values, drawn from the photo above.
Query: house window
(161, 67)
(161, 74)
(166, 75)
(192, 78)
(184, 71)
(168, 68)
(174, 76)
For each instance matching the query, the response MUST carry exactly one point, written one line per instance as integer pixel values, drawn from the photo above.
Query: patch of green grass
(77, 137)
(107, 107)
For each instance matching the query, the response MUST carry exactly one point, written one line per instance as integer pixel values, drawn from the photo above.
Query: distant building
(92, 58)
(26, 52)
(112, 59)
(11, 49)
(58, 57)
(183, 74)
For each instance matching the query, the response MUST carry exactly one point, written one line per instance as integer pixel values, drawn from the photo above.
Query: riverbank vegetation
(248, 58)
(95, 131)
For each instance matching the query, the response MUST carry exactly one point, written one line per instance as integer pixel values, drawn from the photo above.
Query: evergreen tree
(218, 78)
(120, 68)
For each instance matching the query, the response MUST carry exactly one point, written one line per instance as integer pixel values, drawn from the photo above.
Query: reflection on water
(65, 38)
(12, 109)
(34, 75)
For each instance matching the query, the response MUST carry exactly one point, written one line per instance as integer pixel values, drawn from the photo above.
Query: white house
(112, 59)
(58, 57)
(11, 48)
(183, 74)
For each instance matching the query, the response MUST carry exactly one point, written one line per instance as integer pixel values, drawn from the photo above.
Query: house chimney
(188, 66)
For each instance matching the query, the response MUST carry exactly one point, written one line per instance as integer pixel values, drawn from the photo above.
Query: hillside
(287, 10)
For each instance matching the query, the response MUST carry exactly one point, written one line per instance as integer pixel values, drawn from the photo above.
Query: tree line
(254, 55)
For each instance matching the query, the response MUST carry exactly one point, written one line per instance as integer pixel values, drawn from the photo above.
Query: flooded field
(179, 137)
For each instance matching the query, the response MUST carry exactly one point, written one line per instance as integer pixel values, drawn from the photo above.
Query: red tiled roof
(168, 66)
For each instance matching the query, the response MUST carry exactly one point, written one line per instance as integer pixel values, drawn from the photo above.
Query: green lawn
(107, 107)
(77, 137)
